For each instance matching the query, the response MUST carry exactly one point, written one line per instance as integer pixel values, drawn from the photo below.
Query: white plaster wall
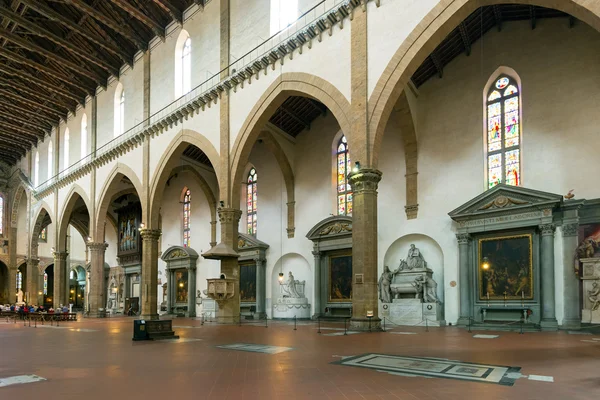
(250, 26)
(22, 231)
(77, 248)
(387, 28)
(110, 237)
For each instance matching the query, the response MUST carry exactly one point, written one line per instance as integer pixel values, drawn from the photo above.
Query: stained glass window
(44, 235)
(503, 133)
(186, 217)
(19, 280)
(344, 191)
(45, 283)
(186, 64)
(251, 202)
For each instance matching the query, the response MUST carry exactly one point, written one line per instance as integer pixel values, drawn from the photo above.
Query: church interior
(242, 198)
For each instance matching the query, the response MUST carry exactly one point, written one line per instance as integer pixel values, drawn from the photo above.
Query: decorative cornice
(547, 229)
(570, 229)
(463, 238)
(208, 96)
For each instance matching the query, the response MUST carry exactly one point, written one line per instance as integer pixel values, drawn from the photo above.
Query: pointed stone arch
(42, 218)
(425, 37)
(16, 200)
(74, 194)
(288, 84)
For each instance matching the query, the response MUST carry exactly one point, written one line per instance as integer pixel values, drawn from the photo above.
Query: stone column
(464, 280)
(364, 247)
(97, 291)
(191, 291)
(261, 293)
(317, 284)
(33, 275)
(149, 289)
(170, 289)
(548, 320)
(12, 266)
(229, 310)
(60, 278)
(12, 284)
(571, 319)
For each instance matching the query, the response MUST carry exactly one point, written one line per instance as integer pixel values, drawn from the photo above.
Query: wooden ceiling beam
(16, 39)
(53, 15)
(41, 83)
(69, 80)
(33, 104)
(20, 148)
(464, 35)
(20, 87)
(497, 16)
(17, 109)
(17, 139)
(43, 32)
(437, 63)
(16, 135)
(120, 29)
(28, 122)
(10, 159)
(151, 23)
(169, 7)
(20, 129)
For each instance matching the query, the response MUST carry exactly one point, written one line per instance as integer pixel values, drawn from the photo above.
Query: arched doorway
(4, 284)
(21, 283)
(48, 286)
(77, 284)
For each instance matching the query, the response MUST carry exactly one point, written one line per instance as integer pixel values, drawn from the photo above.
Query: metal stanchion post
(345, 331)
(469, 324)
(35, 326)
(202, 319)
(520, 333)
(426, 326)
(266, 321)
(384, 324)
(294, 322)
(240, 319)
(319, 322)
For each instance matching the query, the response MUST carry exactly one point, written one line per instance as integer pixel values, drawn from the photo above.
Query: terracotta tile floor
(106, 364)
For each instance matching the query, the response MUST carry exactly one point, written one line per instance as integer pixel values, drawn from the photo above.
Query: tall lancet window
(503, 133)
(344, 191)
(50, 160)
(84, 136)
(251, 202)
(186, 64)
(66, 149)
(187, 198)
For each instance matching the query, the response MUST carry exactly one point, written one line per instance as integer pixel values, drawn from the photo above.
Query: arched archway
(432, 29)
(4, 284)
(289, 84)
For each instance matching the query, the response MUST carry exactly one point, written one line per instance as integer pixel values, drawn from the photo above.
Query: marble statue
(110, 304)
(290, 287)
(586, 248)
(385, 289)
(426, 289)
(594, 296)
(415, 259)
(20, 297)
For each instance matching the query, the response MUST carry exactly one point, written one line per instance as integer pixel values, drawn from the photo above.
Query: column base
(463, 322)
(365, 324)
(549, 325)
(150, 317)
(97, 314)
(228, 319)
(316, 316)
(260, 315)
(571, 324)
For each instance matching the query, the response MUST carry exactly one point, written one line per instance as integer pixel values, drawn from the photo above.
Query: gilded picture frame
(505, 268)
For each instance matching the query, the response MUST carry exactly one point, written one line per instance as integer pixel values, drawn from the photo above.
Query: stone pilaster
(149, 295)
(571, 318)
(464, 282)
(60, 278)
(191, 291)
(97, 291)
(213, 233)
(229, 311)
(548, 320)
(12, 264)
(364, 247)
(291, 217)
(317, 284)
(261, 294)
(33, 277)
(12, 284)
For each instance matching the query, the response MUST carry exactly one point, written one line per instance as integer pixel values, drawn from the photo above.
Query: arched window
(36, 169)
(119, 110)
(183, 64)
(503, 133)
(66, 150)
(251, 197)
(19, 280)
(83, 136)
(344, 191)
(43, 237)
(45, 283)
(187, 197)
(50, 160)
(1, 215)
(283, 13)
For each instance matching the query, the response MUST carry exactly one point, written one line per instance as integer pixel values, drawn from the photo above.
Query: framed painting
(340, 278)
(248, 283)
(505, 268)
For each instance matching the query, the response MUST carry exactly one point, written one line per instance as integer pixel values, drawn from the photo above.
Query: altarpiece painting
(506, 268)
(340, 278)
(248, 283)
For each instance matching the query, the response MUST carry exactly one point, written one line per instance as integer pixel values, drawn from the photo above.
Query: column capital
(317, 253)
(547, 229)
(571, 229)
(463, 238)
(150, 234)
(229, 215)
(60, 255)
(364, 180)
(260, 262)
(33, 261)
(97, 246)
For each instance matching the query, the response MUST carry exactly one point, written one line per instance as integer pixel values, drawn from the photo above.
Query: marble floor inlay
(255, 348)
(18, 380)
(434, 368)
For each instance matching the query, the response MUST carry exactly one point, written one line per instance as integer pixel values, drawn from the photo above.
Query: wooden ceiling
(461, 39)
(297, 114)
(53, 53)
